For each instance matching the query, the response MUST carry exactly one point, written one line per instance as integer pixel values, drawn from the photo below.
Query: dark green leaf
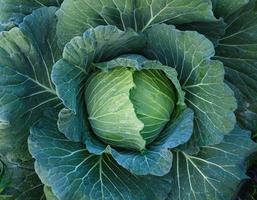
(224, 8)
(23, 182)
(26, 58)
(212, 30)
(238, 51)
(75, 17)
(213, 173)
(148, 13)
(74, 126)
(154, 161)
(178, 131)
(12, 12)
(73, 173)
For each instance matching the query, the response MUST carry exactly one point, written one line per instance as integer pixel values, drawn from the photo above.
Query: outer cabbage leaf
(224, 8)
(74, 126)
(238, 51)
(26, 58)
(212, 30)
(73, 173)
(20, 182)
(12, 12)
(75, 17)
(148, 13)
(213, 173)
(201, 78)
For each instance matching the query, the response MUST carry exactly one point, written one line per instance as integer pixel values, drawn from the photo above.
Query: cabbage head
(126, 99)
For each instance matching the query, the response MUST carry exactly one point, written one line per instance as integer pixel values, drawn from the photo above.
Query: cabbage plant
(126, 99)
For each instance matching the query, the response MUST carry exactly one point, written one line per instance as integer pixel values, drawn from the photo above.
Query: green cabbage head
(129, 108)
(126, 99)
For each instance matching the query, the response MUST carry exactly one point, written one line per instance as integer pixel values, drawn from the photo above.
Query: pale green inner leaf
(153, 98)
(111, 113)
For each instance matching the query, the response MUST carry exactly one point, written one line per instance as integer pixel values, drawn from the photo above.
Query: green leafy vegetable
(129, 13)
(19, 181)
(12, 12)
(237, 49)
(127, 99)
(213, 172)
(26, 58)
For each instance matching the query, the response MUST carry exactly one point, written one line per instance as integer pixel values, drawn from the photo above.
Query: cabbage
(126, 100)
